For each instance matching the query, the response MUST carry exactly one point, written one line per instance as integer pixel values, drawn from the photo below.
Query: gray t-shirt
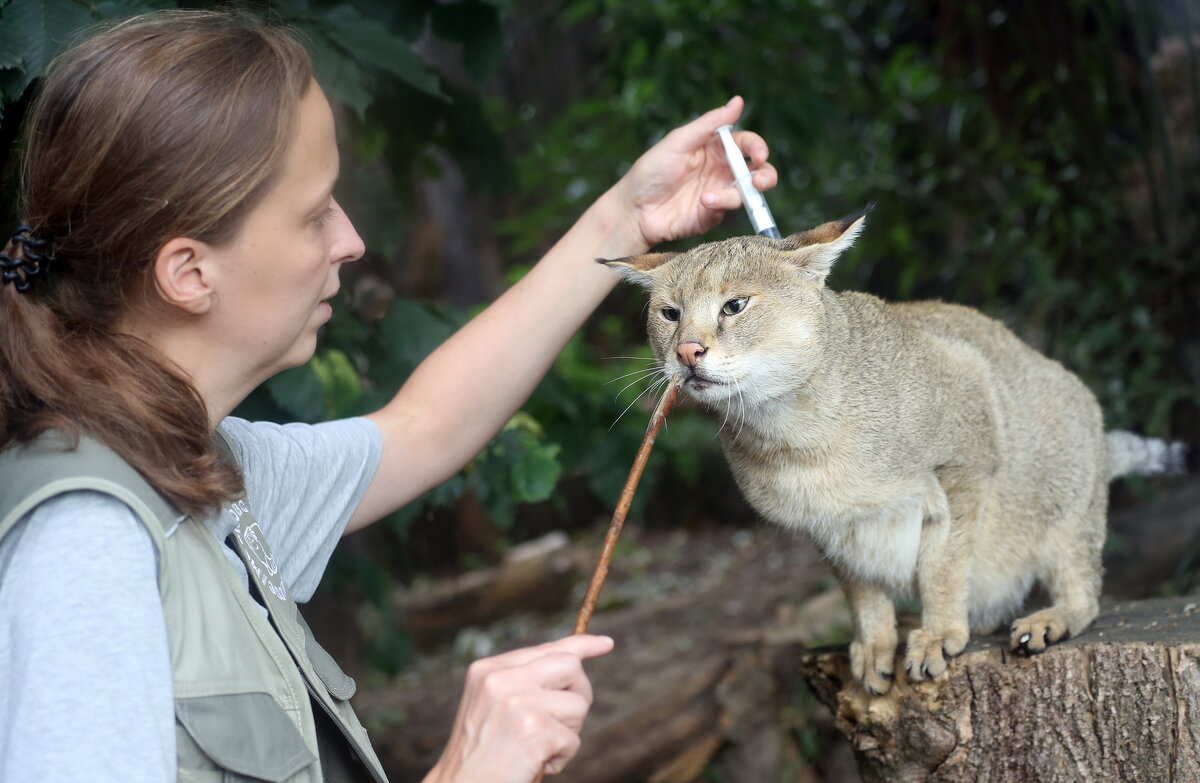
(85, 675)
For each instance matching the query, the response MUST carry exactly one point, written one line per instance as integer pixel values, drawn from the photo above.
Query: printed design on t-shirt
(258, 554)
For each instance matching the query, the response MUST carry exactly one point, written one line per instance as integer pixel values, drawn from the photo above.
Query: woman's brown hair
(171, 124)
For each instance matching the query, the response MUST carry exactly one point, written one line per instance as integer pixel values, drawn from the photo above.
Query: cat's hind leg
(1072, 578)
(943, 564)
(873, 651)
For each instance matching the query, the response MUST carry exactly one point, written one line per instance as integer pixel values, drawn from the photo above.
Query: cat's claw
(928, 652)
(873, 664)
(1033, 634)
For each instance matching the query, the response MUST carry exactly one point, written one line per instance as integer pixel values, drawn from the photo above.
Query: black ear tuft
(850, 220)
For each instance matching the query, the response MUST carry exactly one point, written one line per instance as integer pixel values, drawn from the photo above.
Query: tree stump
(1119, 703)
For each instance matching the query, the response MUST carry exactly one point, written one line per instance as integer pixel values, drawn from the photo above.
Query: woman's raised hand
(521, 712)
(682, 185)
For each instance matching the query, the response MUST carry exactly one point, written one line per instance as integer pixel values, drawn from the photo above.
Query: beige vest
(255, 698)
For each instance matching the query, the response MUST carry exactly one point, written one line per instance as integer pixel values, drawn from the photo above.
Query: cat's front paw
(1033, 634)
(873, 663)
(928, 652)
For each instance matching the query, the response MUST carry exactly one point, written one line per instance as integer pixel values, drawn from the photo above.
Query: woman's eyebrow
(326, 194)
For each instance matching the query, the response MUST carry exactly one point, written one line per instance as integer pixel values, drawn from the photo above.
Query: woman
(182, 245)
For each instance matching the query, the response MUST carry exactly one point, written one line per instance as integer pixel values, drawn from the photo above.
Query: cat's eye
(735, 306)
(670, 313)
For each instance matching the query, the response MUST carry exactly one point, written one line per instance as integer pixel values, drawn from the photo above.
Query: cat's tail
(1132, 455)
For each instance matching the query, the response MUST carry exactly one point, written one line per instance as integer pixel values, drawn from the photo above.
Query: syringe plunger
(752, 200)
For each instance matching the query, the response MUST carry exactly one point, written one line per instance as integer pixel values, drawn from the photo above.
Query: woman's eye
(327, 215)
(670, 313)
(735, 306)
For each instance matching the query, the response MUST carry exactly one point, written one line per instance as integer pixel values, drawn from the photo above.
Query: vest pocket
(246, 734)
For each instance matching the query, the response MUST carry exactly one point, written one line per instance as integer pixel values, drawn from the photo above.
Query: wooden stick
(618, 518)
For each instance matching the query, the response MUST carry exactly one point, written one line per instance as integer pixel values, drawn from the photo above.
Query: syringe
(752, 200)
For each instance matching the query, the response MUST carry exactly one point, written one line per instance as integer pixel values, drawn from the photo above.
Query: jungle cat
(920, 445)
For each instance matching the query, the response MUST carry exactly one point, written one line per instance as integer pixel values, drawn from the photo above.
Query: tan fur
(922, 446)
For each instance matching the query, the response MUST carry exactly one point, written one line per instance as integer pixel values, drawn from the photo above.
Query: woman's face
(277, 275)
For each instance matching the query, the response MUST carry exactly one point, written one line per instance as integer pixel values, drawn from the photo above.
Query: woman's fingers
(729, 198)
(753, 147)
(698, 132)
(562, 747)
(763, 174)
(561, 672)
(522, 712)
(564, 707)
(582, 646)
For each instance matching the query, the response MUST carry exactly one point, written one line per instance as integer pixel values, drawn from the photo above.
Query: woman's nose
(349, 245)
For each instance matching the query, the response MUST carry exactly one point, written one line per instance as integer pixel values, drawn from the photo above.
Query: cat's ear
(637, 269)
(816, 250)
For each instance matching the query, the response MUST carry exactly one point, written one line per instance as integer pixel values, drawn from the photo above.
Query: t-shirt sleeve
(84, 657)
(303, 483)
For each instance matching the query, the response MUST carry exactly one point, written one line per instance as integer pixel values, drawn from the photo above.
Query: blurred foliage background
(1037, 160)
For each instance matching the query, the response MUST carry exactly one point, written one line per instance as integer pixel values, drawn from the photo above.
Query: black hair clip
(35, 259)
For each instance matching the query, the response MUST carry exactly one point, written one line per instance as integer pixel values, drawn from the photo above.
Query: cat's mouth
(699, 382)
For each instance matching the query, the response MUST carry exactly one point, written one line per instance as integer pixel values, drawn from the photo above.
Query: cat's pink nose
(690, 353)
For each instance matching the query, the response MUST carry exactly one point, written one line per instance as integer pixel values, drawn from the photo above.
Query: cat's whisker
(742, 410)
(632, 383)
(632, 358)
(758, 395)
(656, 385)
(717, 434)
(643, 372)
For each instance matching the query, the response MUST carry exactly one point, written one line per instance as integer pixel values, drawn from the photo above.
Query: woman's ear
(183, 276)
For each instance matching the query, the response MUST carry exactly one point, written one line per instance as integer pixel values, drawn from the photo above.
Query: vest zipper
(316, 699)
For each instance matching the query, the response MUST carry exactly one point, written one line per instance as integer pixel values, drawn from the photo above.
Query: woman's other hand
(521, 712)
(683, 186)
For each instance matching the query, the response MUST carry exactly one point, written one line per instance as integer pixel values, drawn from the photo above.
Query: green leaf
(371, 200)
(369, 42)
(536, 473)
(12, 55)
(448, 492)
(411, 331)
(120, 9)
(339, 381)
(299, 392)
(476, 26)
(342, 77)
(38, 30)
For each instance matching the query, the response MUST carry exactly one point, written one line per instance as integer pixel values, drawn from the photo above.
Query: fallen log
(694, 680)
(1119, 704)
(534, 576)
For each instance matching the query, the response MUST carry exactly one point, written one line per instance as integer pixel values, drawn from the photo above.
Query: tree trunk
(1120, 703)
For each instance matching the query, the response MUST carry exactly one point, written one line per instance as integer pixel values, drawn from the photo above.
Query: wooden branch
(626, 499)
(1119, 704)
(618, 520)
